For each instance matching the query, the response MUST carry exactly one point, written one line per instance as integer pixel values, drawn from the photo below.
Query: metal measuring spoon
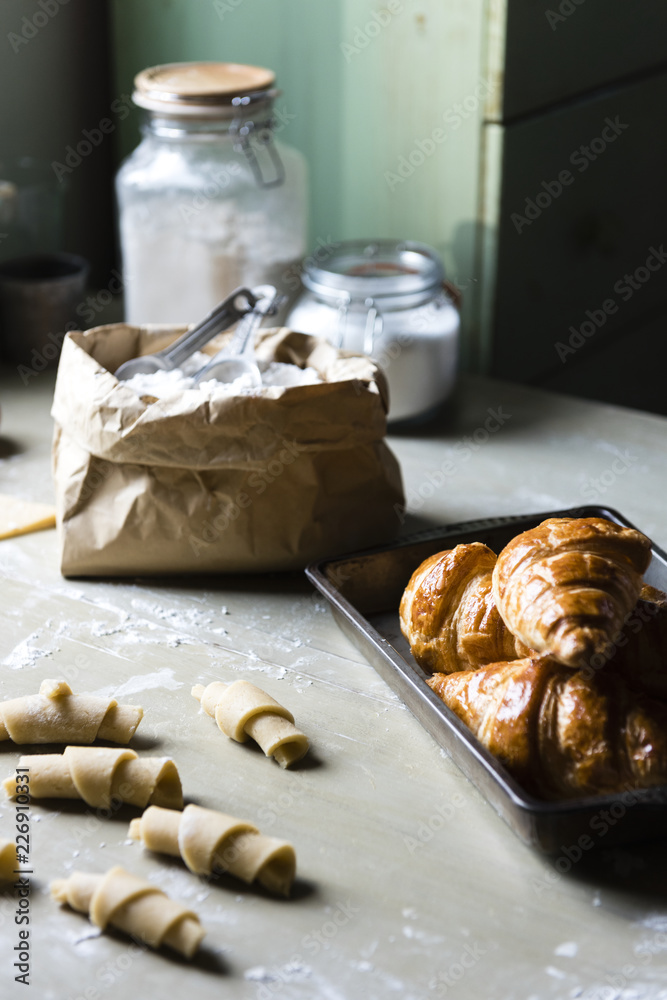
(233, 308)
(238, 358)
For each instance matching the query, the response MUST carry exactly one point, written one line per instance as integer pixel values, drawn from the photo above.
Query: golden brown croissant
(448, 613)
(639, 653)
(558, 731)
(565, 587)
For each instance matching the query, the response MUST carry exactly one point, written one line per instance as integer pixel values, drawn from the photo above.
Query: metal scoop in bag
(238, 358)
(235, 307)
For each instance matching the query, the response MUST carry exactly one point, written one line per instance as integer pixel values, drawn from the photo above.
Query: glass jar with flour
(210, 199)
(388, 300)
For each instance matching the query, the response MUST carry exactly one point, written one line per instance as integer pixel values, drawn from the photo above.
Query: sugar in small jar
(386, 299)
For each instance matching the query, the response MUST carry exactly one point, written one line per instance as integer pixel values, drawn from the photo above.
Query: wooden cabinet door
(546, 53)
(575, 241)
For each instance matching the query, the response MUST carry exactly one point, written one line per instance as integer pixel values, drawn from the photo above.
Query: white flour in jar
(173, 273)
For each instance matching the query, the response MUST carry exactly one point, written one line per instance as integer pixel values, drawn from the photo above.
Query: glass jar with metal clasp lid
(210, 199)
(386, 299)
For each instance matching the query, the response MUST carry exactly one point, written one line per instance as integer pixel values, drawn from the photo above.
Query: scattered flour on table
(656, 944)
(80, 938)
(26, 655)
(163, 678)
(289, 971)
(100, 629)
(221, 915)
(260, 975)
(655, 921)
(556, 973)
(568, 949)
(253, 663)
(72, 592)
(362, 966)
(180, 619)
(163, 384)
(415, 934)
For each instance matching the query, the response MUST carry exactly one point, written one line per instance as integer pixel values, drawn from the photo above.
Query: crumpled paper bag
(192, 484)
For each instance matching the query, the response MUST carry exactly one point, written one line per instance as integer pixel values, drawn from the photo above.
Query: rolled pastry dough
(19, 517)
(8, 861)
(56, 715)
(132, 905)
(210, 841)
(242, 710)
(100, 775)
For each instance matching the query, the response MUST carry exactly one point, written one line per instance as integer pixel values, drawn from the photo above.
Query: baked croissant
(565, 587)
(639, 653)
(449, 616)
(559, 732)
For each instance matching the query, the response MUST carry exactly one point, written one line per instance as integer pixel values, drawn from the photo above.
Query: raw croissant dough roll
(8, 861)
(56, 715)
(449, 615)
(134, 906)
(559, 731)
(100, 775)
(565, 587)
(210, 841)
(242, 710)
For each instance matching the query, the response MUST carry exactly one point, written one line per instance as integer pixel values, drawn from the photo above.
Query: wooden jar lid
(198, 88)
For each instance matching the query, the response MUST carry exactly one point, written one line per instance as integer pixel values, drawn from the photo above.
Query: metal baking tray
(364, 590)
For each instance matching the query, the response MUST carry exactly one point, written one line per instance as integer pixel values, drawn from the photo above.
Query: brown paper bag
(192, 484)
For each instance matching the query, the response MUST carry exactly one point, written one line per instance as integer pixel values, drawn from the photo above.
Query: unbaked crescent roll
(100, 776)
(8, 861)
(565, 587)
(449, 616)
(134, 906)
(56, 715)
(242, 710)
(210, 841)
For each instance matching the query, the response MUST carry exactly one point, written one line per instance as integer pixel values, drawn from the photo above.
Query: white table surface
(409, 886)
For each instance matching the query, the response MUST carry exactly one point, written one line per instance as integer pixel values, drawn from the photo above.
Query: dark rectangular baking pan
(365, 589)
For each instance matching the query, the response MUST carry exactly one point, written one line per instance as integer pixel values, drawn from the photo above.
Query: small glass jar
(209, 200)
(387, 300)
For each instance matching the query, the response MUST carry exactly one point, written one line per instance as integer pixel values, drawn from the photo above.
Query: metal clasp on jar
(244, 130)
(372, 328)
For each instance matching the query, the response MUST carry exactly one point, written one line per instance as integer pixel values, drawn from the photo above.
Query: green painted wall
(289, 36)
(367, 84)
